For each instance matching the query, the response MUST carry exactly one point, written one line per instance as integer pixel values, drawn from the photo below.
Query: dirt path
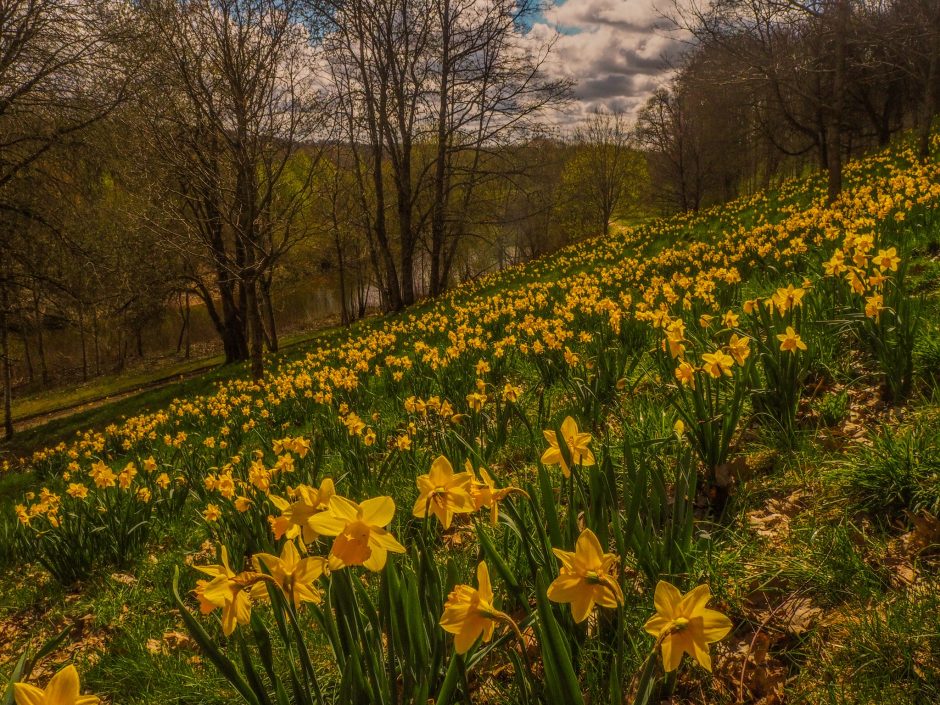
(24, 423)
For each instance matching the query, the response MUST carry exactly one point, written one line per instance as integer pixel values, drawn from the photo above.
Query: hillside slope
(755, 419)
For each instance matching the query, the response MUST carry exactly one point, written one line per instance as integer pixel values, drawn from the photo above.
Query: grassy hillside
(755, 394)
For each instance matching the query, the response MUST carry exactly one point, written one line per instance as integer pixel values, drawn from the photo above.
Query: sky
(616, 51)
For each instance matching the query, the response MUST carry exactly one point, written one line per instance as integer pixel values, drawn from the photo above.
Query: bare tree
(60, 72)
(607, 165)
(238, 102)
(430, 94)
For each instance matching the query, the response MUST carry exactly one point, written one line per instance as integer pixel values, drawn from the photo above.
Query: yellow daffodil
(227, 590)
(469, 612)
(586, 577)
(739, 348)
(717, 364)
(787, 298)
(511, 393)
(443, 492)
(486, 495)
(77, 490)
(294, 575)
(361, 537)
(403, 442)
(683, 625)
(790, 341)
(63, 688)
(577, 443)
(295, 516)
(888, 259)
(685, 373)
(874, 305)
(476, 400)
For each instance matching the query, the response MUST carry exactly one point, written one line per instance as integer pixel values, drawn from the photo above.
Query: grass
(210, 373)
(104, 387)
(810, 555)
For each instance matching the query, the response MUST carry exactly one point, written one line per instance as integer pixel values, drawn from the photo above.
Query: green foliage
(832, 408)
(899, 471)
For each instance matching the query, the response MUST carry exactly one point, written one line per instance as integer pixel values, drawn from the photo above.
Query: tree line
(161, 157)
(773, 87)
(163, 161)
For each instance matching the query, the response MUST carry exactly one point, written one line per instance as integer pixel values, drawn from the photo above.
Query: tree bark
(255, 330)
(27, 355)
(929, 97)
(837, 108)
(438, 215)
(5, 357)
(81, 334)
(95, 338)
(270, 320)
(40, 338)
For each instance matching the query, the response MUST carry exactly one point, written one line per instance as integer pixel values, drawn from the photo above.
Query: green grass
(132, 402)
(101, 388)
(806, 526)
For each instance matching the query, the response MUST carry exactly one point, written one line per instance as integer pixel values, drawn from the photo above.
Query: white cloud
(616, 51)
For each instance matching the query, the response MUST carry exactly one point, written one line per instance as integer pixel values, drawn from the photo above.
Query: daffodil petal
(378, 511)
(666, 599)
(25, 694)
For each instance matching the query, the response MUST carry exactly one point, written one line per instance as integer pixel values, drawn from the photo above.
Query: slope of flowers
(611, 279)
(300, 479)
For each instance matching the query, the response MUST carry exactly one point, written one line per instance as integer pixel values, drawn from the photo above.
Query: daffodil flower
(294, 575)
(791, 341)
(685, 374)
(63, 688)
(586, 577)
(739, 348)
(295, 516)
(577, 443)
(717, 364)
(443, 492)
(361, 537)
(228, 591)
(486, 495)
(683, 625)
(469, 612)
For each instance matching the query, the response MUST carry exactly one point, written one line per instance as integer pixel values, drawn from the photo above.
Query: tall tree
(239, 102)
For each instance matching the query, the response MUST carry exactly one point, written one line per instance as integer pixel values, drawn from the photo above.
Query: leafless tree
(608, 171)
(430, 92)
(61, 70)
(236, 103)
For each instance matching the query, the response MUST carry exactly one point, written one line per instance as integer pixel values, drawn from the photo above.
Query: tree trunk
(341, 262)
(81, 334)
(834, 126)
(255, 330)
(40, 338)
(270, 320)
(94, 333)
(438, 221)
(27, 355)
(5, 359)
(929, 97)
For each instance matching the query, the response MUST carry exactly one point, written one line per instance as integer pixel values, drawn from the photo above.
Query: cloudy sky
(617, 51)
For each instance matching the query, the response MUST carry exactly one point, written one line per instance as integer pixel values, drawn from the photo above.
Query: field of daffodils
(696, 461)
